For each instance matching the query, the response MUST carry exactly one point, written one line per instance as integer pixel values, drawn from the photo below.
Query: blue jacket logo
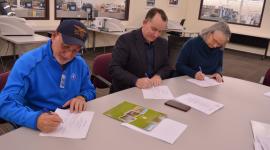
(73, 76)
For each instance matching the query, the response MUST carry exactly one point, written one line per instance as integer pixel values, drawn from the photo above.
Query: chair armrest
(93, 76)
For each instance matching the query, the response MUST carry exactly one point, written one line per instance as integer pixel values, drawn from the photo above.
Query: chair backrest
(101, 68)
(266, 80)
(3, 79)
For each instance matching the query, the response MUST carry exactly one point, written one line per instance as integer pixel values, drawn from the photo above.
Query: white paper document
(261, 133)
(267, 94)
(167, 130)
(202, 104)
(158, 92)
(207, 82)
(75, 125)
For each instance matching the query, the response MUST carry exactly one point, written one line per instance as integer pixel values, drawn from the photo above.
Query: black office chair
(182, 22)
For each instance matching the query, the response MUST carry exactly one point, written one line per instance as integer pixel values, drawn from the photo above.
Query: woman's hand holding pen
(48, 122)
(199, 75)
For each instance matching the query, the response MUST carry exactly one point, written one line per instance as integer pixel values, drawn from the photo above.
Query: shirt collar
(144, 40)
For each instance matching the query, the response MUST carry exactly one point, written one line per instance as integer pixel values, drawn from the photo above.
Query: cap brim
(72, 41)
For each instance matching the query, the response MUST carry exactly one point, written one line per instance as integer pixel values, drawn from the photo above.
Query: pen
(200, 68)
(146, 75)
(66, 107)
(46, 110)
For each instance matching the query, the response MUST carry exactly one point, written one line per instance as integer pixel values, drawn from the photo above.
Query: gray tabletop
(36, 38)
(227, 129)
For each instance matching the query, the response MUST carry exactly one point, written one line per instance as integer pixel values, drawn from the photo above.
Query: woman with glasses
(203, 55)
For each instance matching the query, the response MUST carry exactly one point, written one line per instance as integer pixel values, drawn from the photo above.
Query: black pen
(200, 68)
(46, 110)
(146, 75)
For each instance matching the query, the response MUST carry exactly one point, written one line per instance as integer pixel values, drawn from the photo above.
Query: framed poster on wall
(173, 2)
(243, 12)
(30, 9)
(150, 3)
(118, 9)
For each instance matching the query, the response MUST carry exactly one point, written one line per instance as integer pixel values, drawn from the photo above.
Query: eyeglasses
(216, 42)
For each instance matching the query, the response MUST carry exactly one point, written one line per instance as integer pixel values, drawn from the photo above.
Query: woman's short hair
(219, 26)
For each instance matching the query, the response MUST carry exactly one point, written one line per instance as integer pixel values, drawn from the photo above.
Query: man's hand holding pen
(48, 121)
(146, 82)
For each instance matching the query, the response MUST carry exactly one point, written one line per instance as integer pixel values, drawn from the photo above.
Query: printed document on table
(157, 92)
(267, 94)
(261, 133)
(74, 126)
(207, 82)
(167, 130)
(202, 104)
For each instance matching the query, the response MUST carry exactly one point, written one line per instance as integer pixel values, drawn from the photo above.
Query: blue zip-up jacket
(195, 54)
(34, 85)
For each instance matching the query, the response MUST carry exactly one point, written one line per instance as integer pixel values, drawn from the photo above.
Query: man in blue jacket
(49, 77)
(203, 55)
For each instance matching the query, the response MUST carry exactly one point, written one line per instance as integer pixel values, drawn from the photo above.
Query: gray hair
(219, 26)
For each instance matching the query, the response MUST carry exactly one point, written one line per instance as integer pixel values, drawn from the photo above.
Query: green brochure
(136, 115)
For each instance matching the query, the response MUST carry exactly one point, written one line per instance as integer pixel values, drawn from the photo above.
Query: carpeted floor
(236, 64)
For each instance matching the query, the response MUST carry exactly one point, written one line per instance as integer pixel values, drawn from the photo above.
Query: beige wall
(193, 24)
(188, 9)
(137, 11)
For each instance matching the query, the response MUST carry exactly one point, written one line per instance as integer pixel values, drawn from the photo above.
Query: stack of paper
(261, 133)
(136, 115)
(207, 82)
(147, 121)
(168, 130)
(158, 92)
(202, 104)
(267, 94)
(75, 125)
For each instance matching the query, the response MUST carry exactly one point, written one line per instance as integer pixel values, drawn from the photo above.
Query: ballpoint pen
(146, 75)
(200, 68)
(46, 110)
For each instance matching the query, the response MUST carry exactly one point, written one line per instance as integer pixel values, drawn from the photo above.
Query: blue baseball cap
(73, 32)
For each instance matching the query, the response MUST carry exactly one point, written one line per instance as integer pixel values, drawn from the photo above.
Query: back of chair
(3, 79)
(101, 68)
(266, 80)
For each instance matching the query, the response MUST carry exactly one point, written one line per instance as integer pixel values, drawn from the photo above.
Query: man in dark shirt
(140, 57)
